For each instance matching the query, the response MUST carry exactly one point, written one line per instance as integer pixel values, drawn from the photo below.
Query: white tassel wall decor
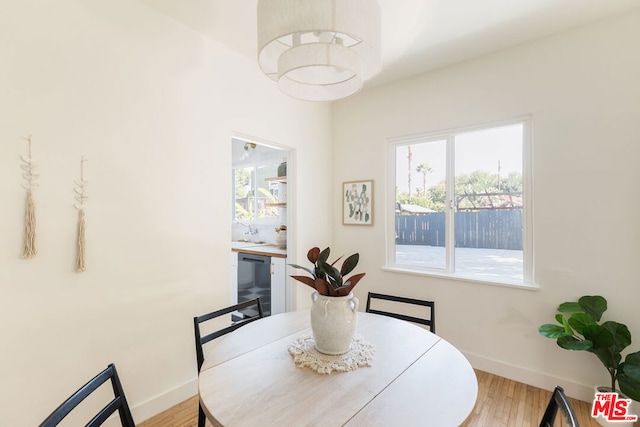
(29, 247)
(80, 266)
(81, 198)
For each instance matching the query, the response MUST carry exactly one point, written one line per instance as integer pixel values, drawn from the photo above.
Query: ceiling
(417, 35)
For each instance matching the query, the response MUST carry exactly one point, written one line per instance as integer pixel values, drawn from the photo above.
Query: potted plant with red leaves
(334, 309)
(326, 279)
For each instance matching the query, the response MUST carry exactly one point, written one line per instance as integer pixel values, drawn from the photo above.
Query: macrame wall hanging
(81, 198)
(29, 248)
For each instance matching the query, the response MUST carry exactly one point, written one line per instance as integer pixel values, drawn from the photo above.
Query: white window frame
(527, 211)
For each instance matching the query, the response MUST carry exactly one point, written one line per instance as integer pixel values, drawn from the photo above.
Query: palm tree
(409, 156)
(424, 169)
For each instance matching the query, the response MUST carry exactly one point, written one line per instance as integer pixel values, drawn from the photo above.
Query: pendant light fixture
(319, 50)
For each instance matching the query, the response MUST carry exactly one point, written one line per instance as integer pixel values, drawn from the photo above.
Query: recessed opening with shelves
(259, 221)
(259, 186)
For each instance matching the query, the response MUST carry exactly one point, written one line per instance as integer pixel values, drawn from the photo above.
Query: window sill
(459, 278)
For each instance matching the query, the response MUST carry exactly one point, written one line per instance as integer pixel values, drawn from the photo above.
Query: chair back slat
(118, 403)
(198, 320)
(104, 413)
(402, 317)
(429, 305)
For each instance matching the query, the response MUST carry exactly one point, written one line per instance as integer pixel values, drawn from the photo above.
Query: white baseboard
(517, 373)
(162, 402)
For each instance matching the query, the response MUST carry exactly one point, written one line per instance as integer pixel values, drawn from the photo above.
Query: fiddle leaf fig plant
(582, 331)
(325, 278)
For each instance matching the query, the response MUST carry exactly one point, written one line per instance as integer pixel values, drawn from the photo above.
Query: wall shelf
(282, 179)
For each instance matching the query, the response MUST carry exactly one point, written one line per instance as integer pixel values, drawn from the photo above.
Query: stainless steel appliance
(254, 281)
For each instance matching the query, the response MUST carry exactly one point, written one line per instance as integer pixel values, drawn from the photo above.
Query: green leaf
(335, 279)
(621, 335)
(349, 264)
(570, 307)
(629, 386)
(572, 343)
(629, 376)
(609, 360)
(578, 321)
(633, 359)
(567, 327)
(324, 255)
(319, 274)
(631, 371)
(552, 331)
(308, 270)
(594, 305)
(599, 335)
(603, 345)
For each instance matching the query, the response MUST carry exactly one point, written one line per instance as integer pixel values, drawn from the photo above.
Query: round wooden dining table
(415, 378)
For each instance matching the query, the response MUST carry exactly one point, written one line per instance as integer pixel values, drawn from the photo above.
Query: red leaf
(322, 287)
(342, 292)
(306, 280)
(313, 254)
(353, 281)
(337, 259)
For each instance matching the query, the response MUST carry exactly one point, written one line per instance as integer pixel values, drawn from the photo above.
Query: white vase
(281, 239)
(333, 322)
(632, 409)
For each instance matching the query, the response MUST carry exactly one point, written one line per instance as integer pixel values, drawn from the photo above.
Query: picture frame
(357, 202)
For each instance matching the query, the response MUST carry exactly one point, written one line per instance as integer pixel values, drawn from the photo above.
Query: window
(254, 193)
(462, 203)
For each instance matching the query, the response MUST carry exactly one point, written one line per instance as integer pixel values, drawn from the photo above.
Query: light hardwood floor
(501, 402)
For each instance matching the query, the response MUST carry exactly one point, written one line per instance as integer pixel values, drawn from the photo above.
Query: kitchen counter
(259, 249)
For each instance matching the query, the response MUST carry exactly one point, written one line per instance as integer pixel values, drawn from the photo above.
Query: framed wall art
(357, 202)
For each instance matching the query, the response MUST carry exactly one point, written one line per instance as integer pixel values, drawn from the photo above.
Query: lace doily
(305, 354)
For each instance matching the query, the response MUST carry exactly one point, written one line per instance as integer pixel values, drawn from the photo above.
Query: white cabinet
(234, 277)
(278, 285)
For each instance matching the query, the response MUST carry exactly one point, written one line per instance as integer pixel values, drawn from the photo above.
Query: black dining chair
(429, 321)
(119, 402)
(253, 306)
(559, 402)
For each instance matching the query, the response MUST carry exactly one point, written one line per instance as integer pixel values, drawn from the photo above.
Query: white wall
(583, 92)
(153, 106)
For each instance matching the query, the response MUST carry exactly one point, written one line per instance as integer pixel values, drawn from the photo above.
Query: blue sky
(476, 150)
